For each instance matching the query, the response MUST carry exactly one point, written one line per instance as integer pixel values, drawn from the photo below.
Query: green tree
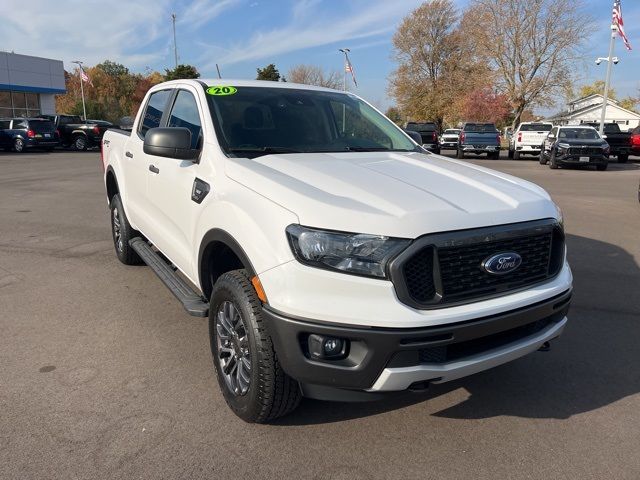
(113, 69)
(270, 72)
(180, 72)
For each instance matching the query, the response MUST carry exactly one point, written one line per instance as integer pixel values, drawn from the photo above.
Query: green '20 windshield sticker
(221, 90)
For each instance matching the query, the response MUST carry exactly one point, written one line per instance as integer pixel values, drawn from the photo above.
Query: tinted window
(4, 124)
(536, 127)
(41, 126)
(185, 114)
(480, 127)
(19, 124)
(154, 111)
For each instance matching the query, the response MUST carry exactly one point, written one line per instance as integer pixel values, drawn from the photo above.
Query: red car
(635, 141)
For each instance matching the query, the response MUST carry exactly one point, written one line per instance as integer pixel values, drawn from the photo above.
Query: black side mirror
(171, 142)
(415, 136)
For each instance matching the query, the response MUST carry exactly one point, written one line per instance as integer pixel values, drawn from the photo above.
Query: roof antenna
(218, 69)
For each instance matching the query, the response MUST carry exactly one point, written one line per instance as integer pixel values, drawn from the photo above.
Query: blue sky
(241, 35)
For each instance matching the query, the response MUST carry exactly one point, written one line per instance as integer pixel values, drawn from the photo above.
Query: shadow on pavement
(594, 364)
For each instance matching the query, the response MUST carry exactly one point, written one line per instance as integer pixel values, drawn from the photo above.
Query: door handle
(129, 154)
(154, 169)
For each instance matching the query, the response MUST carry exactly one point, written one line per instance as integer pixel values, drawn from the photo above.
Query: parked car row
(49, 131)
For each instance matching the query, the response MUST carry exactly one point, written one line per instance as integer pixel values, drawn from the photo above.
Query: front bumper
(447, 144)
(431, 146)
(392, 359)
(576, 160)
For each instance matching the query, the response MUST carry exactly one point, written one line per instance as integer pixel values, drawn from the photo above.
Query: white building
(589, 109)
(28, 85)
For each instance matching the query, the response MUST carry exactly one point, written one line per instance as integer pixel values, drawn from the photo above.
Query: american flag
(349, 69)
(85, 78)
(619, 24)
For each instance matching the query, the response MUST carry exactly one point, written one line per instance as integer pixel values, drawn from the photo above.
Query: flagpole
(84, 109)
(612, 43)
(344, 85)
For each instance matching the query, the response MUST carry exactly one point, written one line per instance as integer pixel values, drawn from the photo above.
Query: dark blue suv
(21, 134)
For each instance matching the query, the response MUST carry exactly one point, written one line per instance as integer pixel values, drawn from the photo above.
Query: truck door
(171, 184)
(137, 165)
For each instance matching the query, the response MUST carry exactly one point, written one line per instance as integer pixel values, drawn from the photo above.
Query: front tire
(516, 155)
(459, 153)
(552, 162)
(542, 159)
(510, 154)
(252, 381)
(602, 167)
(122, 232)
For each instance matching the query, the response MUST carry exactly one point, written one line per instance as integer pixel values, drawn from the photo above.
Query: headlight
(606, 149)
(355, 253)
(563, 148)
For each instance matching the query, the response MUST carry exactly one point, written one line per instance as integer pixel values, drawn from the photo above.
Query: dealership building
(28, 85)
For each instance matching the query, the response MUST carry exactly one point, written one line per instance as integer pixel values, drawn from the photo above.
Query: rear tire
(459, 153)
(623, 158)
(79, 142)
(602, 167)
(19, 146)
(516, 155)
(122, 232)
(252, 381)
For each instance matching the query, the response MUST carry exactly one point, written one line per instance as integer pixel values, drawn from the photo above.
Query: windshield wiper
(366, 149)
(265, 150)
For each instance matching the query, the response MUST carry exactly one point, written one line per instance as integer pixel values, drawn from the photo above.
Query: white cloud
(199, 12)
(310, 27)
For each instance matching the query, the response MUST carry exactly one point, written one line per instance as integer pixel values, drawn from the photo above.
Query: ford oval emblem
(502, 263)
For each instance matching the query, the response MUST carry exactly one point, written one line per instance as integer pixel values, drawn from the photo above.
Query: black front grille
(463, 276)
(585, 151)
(456, 351)
(447, 268)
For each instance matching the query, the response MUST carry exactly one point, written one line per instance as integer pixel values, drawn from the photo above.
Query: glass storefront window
(19, 104)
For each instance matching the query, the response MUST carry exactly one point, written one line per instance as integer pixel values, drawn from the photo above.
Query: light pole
(84, 109)
(175, 45)
(610, 61)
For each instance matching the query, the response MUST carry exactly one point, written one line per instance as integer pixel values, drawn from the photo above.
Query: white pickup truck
(528, 139)
(333, 257)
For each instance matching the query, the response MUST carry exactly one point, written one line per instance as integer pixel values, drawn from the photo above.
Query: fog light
(327, 348)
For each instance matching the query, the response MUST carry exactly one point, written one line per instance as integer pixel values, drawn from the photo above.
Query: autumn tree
(180, 72)
(596, 87)
(270, 72)
(532, 45)
(314, 75)
(394, 114)
(485, 105)
(435, 63)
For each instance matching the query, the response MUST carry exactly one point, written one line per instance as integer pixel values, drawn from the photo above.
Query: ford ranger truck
(528, 138)
(333, 257)
(479, 138)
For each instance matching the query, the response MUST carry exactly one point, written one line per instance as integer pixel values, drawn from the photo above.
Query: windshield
(579, 133)
(255, 121)
(536, 127)
(480, 128)
(450, 131)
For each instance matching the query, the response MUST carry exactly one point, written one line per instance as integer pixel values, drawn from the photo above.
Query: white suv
(528, 139)
(333, 256)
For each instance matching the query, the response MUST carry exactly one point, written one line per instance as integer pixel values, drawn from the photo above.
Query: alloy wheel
(233, 352)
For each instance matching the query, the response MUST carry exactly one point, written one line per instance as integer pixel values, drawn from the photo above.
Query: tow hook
(546, 346)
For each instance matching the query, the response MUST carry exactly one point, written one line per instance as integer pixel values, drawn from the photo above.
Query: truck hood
(387, 193)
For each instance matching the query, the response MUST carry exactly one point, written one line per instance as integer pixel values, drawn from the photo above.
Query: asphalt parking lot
(103, 375)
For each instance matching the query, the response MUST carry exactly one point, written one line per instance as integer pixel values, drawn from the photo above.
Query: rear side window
(4, 124)
(536, 127)
(19, 124)
(185, 114)
(154, 110)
